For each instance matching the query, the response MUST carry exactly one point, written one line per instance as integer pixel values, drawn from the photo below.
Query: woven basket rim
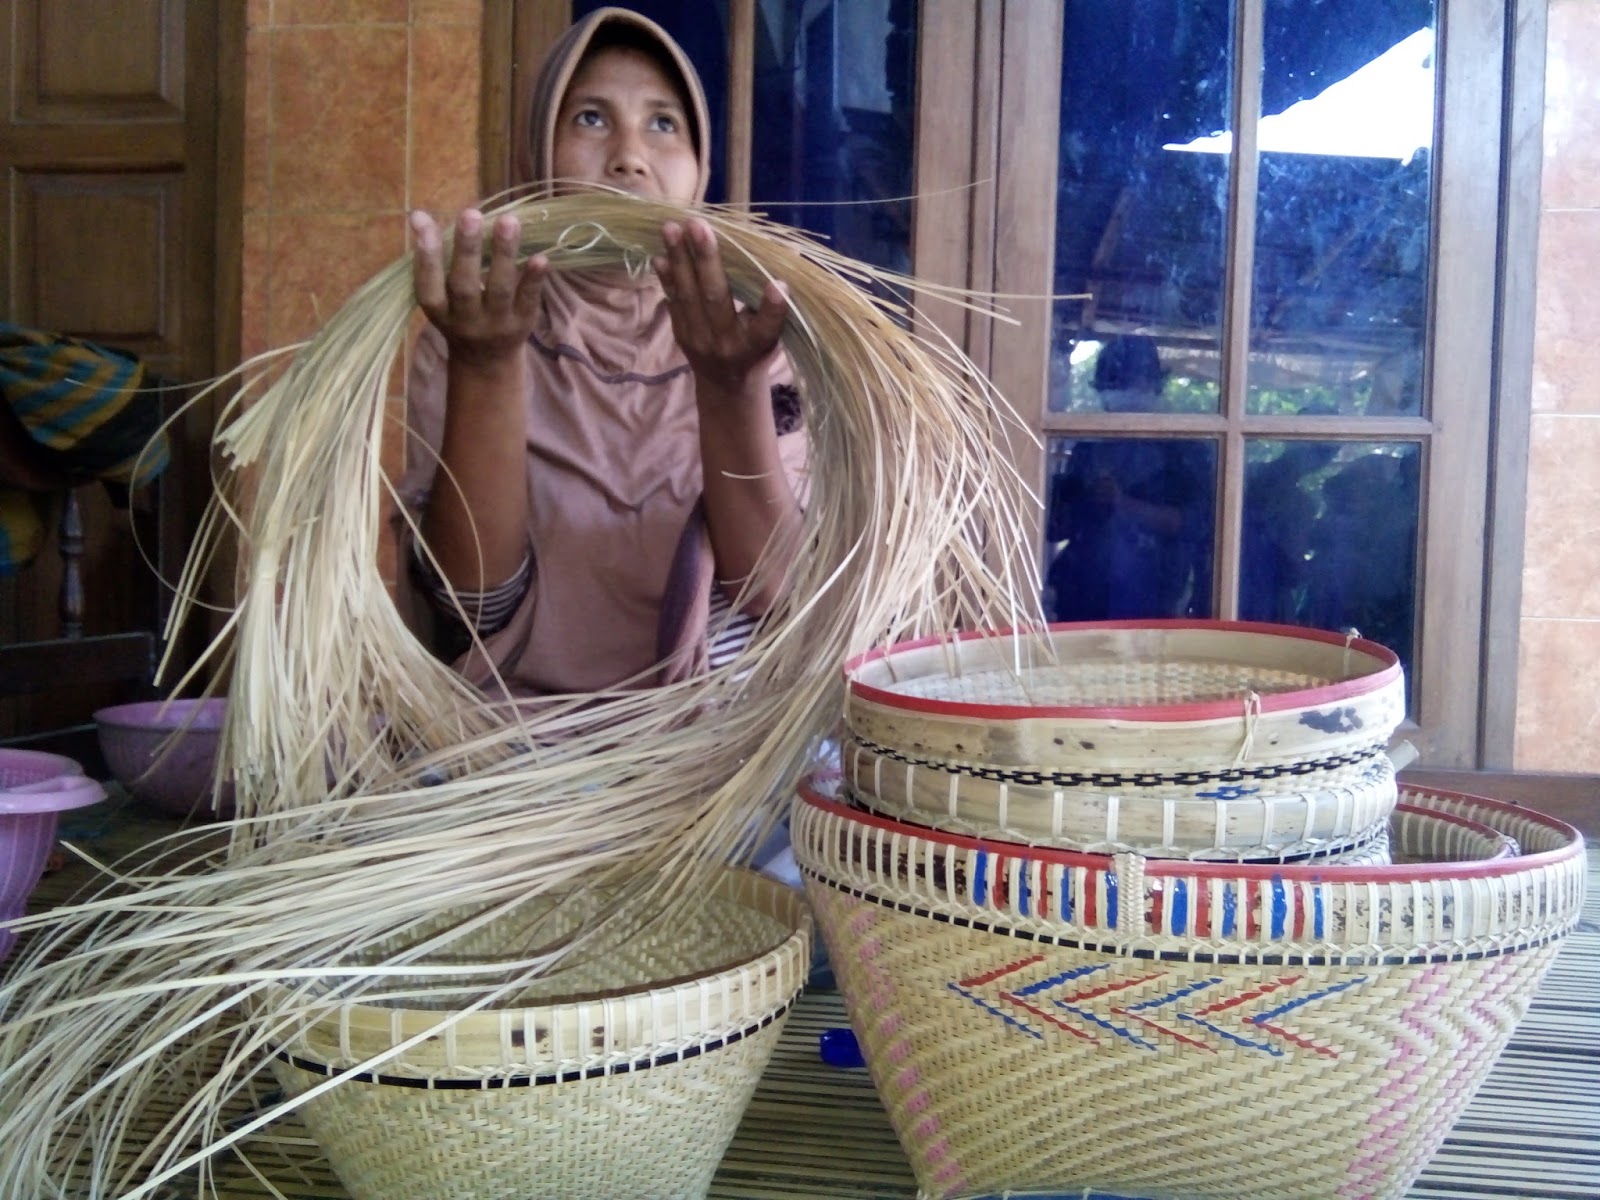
(783, 903)
(1324, 852)
(1264, 872)
(1360, 685)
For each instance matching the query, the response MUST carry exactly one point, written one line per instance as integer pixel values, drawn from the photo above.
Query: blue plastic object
(839, 1048)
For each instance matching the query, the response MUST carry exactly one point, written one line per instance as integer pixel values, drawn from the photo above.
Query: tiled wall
(1558, 701)
(356, 111)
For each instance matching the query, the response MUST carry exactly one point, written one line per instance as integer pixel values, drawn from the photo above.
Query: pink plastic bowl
(34, 787)
(165, 753)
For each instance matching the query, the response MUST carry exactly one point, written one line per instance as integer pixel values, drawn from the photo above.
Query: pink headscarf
(622, 565)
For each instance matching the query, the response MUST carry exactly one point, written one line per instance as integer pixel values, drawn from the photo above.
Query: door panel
(100, 60)
(128, 292)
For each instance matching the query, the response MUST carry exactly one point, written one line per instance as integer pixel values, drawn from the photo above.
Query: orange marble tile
(447, 12)
(1558, 697)
(342, 12)
(256, 284)
(257, 149)
(339, 119)
(1561, 548)
(446, 70)
(1572, 105)
(1566, 352)
(258, 14)
(319, 260)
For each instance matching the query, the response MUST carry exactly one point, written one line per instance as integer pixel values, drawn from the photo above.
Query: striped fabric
(487, 612)
(22, 518)
(729, 632)
(86, 404)
(85, 401)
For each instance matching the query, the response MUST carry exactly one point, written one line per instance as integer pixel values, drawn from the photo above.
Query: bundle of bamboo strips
(376, 788)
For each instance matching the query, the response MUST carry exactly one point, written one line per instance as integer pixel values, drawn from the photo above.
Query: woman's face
(622, 123)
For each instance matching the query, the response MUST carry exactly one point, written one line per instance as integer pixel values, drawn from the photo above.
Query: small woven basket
(1177, 739)
(1047, 1021)
(629, 1084)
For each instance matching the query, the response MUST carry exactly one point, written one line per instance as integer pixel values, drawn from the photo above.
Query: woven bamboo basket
(1175, 739)
(1277, 819)
(1039, 1020)
(629, 1082)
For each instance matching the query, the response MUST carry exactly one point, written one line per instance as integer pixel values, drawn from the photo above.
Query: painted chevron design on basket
(1493, 1005)
(1148, 1008)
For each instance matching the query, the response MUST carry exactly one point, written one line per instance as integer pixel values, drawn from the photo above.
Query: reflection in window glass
(1129, 527)
(1341, 258)
(834, 115)
(701, 28)
(1330, 537)
(1142, 226)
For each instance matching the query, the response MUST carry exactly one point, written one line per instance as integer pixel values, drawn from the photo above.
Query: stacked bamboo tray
(1067, 973)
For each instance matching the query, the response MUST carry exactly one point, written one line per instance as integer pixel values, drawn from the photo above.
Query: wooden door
(108, 186)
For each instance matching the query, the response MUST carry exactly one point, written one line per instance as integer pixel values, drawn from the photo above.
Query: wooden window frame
(1479, 350)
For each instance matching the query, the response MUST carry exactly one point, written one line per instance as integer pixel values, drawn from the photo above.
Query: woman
(601, 464)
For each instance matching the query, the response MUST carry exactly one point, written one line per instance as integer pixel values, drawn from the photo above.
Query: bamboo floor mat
(815, 1132)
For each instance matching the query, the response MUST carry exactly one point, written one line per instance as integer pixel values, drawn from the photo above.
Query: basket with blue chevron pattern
(1039, 1020)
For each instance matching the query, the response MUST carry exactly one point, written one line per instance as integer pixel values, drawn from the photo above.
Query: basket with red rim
(1205, 739)
(1039, 1019)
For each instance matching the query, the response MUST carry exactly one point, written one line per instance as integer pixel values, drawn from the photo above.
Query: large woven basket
(629, 1084)
(1048, 1021)
(1178, 739)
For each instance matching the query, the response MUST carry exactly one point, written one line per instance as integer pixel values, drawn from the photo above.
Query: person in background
(599, 461)
(1134, 513)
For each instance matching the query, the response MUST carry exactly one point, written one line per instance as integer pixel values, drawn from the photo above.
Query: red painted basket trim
(1198, 711)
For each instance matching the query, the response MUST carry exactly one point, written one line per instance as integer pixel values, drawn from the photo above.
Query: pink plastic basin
(34, 787)
(165, 752)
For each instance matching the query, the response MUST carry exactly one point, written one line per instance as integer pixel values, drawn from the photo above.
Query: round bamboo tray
(628, 1081)
(1171, 738)
(1040, 1020)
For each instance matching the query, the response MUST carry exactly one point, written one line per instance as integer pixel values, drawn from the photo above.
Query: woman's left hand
(728, 349)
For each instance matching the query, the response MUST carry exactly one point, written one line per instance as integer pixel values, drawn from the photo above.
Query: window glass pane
(1129, 528)
(834, 111)
(1341, 256)
(701, 28)
(1329, 537)
(1141, 225)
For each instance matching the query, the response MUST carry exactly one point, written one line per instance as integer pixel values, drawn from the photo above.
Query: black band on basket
(1111, 779)
(496, 1082)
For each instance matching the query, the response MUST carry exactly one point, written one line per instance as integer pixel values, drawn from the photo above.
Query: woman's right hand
(486, 316)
